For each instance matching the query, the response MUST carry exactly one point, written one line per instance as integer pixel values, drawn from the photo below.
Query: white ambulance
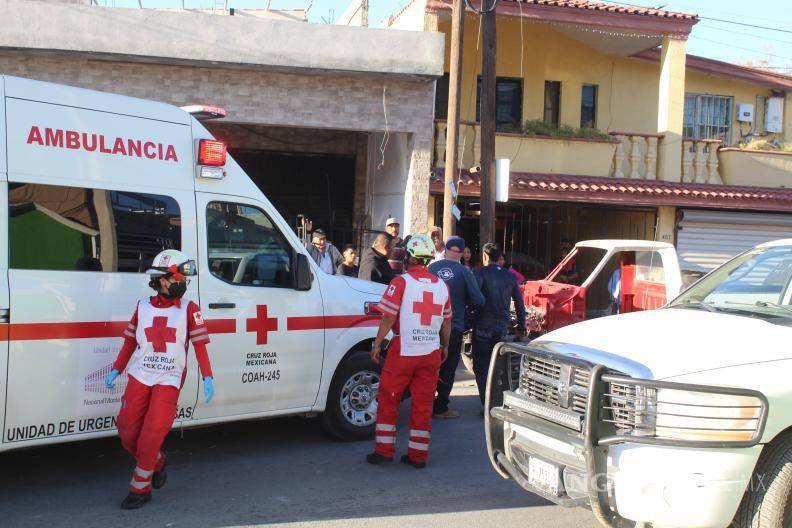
(92, 186)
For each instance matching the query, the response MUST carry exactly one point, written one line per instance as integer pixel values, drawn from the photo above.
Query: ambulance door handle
(5, 315)
(214, 306)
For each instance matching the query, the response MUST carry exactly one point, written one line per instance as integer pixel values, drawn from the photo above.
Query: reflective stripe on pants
(419, 373)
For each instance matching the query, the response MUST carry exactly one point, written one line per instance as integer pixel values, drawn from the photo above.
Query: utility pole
(452, 128)
(488, 108)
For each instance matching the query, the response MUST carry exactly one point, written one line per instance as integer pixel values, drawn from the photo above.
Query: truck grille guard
(601, 414)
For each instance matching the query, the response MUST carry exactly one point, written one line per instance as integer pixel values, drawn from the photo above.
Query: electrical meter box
(745, 112)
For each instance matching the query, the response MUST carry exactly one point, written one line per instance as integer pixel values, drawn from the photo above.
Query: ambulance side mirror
(302, 273)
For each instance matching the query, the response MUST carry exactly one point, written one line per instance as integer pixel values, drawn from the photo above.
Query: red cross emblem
(427, 308)
(262, 325)
(159, 333)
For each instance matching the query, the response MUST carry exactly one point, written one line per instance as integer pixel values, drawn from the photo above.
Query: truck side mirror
(302, 273)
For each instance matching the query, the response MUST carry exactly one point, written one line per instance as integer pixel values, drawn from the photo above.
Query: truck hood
(365, 286)
(660, 344)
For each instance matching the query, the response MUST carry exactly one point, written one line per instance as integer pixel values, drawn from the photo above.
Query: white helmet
(172, 261)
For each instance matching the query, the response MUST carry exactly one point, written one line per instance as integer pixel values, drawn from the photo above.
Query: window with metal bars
(708, 117)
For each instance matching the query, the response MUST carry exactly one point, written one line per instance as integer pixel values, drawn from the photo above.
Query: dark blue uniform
(464, 291)
(491, 321)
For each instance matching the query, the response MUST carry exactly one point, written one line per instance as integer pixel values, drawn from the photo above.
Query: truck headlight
(675, 413)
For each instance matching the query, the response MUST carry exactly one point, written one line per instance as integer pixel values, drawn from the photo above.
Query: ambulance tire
(349, 391)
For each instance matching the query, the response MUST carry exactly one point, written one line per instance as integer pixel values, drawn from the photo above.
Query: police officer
(491, 321)
(417, 306)
(464, 291)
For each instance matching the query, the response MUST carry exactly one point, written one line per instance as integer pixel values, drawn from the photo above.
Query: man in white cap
(397, 254)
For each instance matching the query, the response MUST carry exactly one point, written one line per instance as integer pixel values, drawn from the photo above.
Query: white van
(92, 186)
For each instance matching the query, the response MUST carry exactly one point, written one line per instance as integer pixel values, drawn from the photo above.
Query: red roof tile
(611, 8)
(527, 186)
(758, 76)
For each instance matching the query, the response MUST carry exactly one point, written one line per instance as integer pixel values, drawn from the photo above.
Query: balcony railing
(635, 156)
(530, 153)
(629, 155)
(700, 162)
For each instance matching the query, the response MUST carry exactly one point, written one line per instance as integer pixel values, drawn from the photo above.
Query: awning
(566, 188)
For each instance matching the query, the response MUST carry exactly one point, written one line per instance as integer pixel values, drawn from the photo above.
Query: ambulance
(92, 186)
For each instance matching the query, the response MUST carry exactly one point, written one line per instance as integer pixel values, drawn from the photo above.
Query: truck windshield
(757, 282)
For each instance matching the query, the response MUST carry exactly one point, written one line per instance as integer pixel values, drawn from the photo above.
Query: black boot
(377, 459)
(159, 478)
(407, 460)
(134, 501)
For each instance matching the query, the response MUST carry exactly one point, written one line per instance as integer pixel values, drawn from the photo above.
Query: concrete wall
(188, 36)
(389, 181)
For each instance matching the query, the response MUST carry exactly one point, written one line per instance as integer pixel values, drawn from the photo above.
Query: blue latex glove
(208, 389)
(109, 380)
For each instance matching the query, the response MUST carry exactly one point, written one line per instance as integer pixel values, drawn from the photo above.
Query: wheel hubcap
(359, 398)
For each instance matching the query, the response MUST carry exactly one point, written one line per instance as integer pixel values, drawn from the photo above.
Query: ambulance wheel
(351, 412)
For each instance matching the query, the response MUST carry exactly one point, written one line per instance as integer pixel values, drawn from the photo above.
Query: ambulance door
(83, 227)
(4, 304)
(267, 336)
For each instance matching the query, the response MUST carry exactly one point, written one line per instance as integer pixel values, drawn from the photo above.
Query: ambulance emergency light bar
(212, 158)
(204, 113)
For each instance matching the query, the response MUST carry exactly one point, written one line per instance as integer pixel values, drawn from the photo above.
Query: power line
(716, 19)
(694, 5)
(744, 49)
(754, 35)
(747, 25)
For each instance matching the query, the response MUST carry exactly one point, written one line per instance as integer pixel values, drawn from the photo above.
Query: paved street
(283, 472)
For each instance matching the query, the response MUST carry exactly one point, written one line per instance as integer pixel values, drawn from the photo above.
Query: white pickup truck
(680, 416)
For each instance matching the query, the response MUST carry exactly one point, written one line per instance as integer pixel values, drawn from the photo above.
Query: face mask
(177, 289)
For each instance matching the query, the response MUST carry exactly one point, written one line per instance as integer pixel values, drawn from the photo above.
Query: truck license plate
(543, 475)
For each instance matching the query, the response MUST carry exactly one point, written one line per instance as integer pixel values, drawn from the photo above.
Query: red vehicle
(603, 277)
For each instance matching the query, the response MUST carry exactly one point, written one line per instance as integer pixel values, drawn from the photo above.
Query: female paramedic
(155, 350)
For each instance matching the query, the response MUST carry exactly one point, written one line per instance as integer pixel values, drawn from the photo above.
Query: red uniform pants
(146, 416)
(419, 373)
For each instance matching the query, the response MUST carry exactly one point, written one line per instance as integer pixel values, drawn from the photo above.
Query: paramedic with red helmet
(417, 307)
(155, 356)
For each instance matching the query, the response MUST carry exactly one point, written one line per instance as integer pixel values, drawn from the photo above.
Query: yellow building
(612, 131)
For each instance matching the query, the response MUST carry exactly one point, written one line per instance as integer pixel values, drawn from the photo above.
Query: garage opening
(314, 186)
(312, 174)
(531, 232)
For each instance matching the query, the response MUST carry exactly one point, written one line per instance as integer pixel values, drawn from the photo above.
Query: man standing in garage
(417, 307)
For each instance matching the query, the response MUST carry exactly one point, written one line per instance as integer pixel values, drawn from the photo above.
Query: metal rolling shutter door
(707, 239)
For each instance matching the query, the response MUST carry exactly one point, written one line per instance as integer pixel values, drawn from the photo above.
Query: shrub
(537, 127)
(763, 144)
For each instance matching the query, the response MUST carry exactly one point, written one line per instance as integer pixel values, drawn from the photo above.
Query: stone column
(670, 108)
(416, 193)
